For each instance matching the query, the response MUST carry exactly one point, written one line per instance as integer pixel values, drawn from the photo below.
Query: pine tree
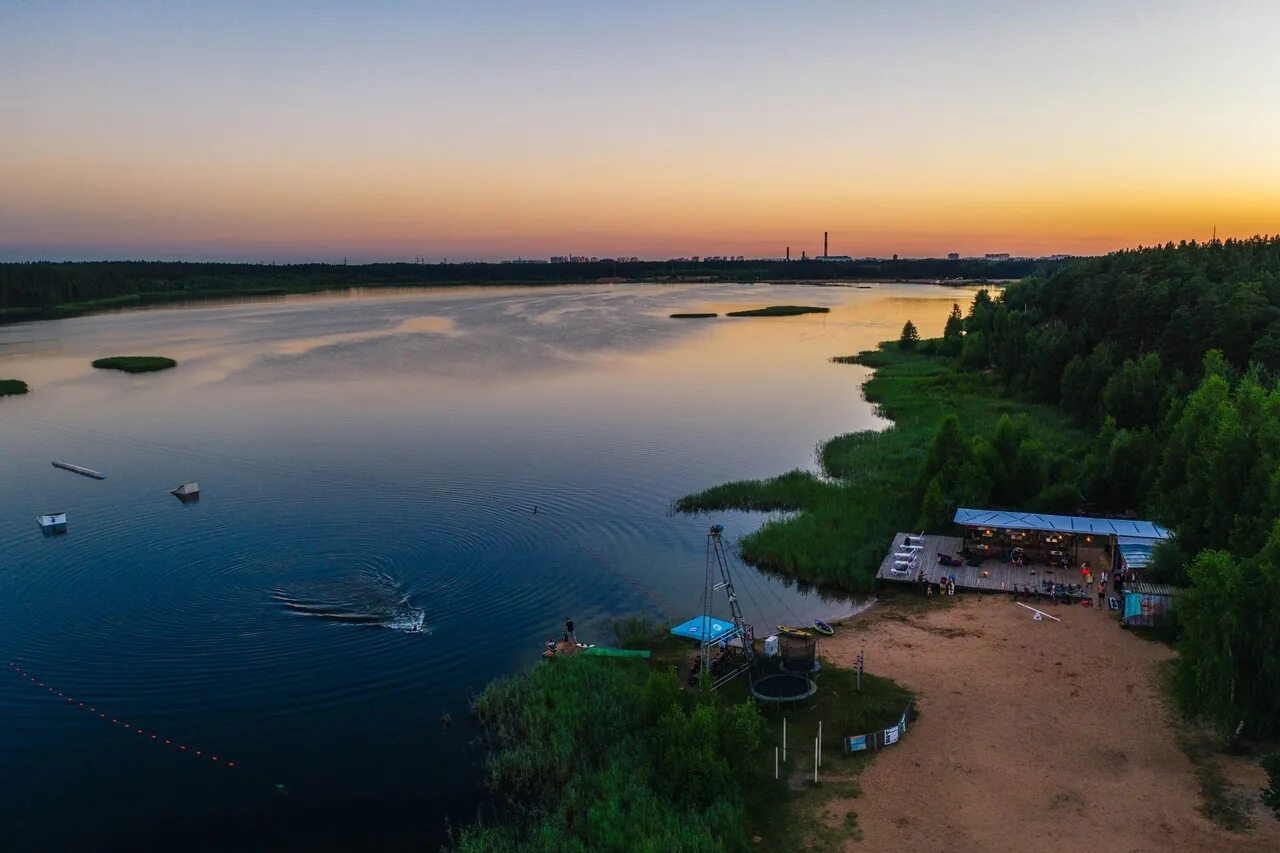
(909, 337)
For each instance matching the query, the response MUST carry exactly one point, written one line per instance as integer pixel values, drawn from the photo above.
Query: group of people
(944, 585)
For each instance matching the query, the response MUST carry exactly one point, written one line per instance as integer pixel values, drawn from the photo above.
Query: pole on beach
(1041, 612)
(819, 743)
(815, 761)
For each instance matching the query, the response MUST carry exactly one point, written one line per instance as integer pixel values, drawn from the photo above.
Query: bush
(608, 755)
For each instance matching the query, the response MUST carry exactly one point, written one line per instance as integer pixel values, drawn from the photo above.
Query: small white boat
(55, 522)
(187, 492)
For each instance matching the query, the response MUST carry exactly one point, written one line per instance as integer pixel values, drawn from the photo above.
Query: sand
(1031, 736)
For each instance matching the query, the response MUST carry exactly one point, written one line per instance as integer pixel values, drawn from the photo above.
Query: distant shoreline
(138, 301)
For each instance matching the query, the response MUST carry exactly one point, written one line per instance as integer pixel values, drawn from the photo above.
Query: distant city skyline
(282, 132)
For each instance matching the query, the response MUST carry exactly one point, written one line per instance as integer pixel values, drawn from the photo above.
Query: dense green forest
(1170, 358)
(1146, 381)
(45, 289)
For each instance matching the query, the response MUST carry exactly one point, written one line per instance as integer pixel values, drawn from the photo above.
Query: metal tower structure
(720, 577)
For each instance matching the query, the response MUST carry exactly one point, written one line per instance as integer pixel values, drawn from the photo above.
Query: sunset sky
(484, 130)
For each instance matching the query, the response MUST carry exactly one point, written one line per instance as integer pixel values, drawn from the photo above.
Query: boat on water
(54, 522)
(79, 469)
(823, 628)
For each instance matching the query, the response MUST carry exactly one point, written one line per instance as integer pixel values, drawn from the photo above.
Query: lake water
(366, 553)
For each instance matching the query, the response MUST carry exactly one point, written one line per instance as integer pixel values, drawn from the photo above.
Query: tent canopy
(1004, 520)
(704, 629)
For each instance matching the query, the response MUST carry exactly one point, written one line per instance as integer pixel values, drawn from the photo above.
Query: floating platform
(54, 522)
(187, 492)
(79, 469)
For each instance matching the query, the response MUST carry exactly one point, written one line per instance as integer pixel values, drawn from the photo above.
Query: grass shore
(694, 315)
(842, 525)
(607, 754)
(11, 387)
(135, 363)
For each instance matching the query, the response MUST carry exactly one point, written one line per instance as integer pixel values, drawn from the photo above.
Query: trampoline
(783, 687)
(798, 655)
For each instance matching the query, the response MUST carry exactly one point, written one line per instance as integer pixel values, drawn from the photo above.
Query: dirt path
(1033, 735)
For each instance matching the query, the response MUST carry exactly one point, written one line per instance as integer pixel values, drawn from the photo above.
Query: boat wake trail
(365, 598)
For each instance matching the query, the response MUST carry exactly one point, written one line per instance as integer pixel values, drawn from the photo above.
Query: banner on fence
(882, 738)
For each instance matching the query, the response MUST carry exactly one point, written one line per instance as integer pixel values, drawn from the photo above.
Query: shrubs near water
(9, 387)
(135, 363)
(694, 316)
(609, 755)
(875, 486)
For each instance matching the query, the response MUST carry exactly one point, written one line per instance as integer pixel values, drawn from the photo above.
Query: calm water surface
(365, 554)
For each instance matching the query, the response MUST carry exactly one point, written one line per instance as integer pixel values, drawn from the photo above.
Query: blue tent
(704, 629)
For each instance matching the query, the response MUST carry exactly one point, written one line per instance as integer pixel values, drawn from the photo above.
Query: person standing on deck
(568, 631)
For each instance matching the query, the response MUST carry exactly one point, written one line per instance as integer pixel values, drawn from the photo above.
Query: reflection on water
(372, 458)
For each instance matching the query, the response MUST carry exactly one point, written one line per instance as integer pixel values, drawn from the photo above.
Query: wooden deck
(990, 576)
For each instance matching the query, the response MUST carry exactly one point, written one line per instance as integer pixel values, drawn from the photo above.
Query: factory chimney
(788, 253)
(824, 244)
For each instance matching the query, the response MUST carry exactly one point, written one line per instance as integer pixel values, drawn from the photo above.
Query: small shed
(1147, 604)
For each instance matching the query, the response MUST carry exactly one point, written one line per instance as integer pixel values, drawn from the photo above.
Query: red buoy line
(202, 754)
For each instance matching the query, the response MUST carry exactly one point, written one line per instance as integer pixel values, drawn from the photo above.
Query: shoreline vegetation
(47, 290)
(12, 387)
(694, 315)
(840, 523)
(778, 311)
(604, 754)
(1144, 383)
(135, 363)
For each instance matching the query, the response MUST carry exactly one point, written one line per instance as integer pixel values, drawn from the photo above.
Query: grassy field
(842, 525)
(694, 316)
(135, 363)
(779, 311)
(12, 386)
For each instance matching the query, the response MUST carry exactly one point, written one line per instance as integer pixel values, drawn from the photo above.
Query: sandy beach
(1032, 735)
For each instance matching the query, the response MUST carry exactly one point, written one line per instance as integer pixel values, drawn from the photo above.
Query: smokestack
(788, 253)
(824, 244)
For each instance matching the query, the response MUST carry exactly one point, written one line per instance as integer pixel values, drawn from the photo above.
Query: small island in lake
(694, 315)
(135, 363)
(779, 311)
(12, 386)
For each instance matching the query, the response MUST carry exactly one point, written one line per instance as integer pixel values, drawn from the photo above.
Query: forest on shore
(1169, 358)
(51, 289)
(1144, 382)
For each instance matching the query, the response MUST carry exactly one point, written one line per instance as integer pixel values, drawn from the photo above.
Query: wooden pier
(988, 576)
